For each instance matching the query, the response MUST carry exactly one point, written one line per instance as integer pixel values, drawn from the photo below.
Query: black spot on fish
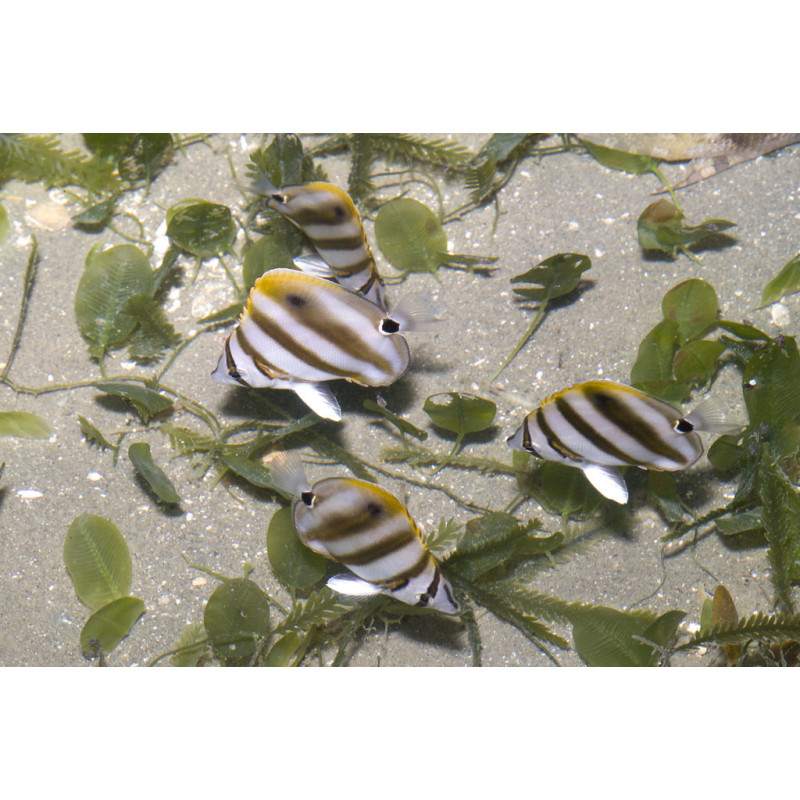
(684, 426)
(374, 509)
(308, 498)
(295, 300)
(389, 326)
(279, 198)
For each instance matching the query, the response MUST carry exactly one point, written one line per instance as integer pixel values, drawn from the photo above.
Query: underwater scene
(400, 399)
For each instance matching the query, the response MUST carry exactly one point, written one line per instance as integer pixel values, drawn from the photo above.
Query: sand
(565, 203)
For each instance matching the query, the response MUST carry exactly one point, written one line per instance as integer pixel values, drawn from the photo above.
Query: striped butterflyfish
(365, 528)
(600, 425)
(298, 331)
(327, 215)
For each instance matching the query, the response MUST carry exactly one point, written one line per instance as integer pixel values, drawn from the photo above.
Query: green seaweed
(661, 227)
(787, 281)
(492, 560)
(555, 277)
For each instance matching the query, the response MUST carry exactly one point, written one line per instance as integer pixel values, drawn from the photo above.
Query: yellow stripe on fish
(599, 425)
(298, 331)
(327, 215)
(368, 530)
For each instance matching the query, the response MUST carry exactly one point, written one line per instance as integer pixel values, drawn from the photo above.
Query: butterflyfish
(327, 215)
(598, 426)
(365, 528)
(298, 331)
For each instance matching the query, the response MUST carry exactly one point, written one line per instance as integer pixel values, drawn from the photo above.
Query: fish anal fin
(353, 586)
(315, 265)
(608, 482)
(319, 398)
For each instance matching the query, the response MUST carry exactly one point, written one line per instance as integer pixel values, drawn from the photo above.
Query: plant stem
(523, 341)
(27, 288)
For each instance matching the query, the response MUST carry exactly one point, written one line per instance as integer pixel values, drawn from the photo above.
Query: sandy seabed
(564, 203)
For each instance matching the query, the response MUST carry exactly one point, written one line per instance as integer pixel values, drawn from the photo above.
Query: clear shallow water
(565, 203)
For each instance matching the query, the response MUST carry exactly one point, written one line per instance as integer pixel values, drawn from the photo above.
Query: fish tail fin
(415, 313)
(713, 417)
(286, 470)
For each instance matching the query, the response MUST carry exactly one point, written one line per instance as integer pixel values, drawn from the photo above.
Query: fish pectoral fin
(608, 482)
(353, 586)
(319, 398)
(314, 265)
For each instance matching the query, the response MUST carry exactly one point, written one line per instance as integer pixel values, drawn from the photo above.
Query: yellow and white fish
(327, 215)
(600, 425)
(298, 331)
(368, 530)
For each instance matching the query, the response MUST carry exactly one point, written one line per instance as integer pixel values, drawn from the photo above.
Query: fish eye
(424, 599)
(339, 211)
(389, 326)
(683, 426)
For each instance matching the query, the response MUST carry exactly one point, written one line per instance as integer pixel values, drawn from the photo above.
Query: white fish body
(327, 215)
(298, 331)
(598, 426)
(365, 528)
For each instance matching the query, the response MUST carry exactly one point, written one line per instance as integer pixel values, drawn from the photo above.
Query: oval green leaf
(109, 625)
(293, 563)
(97, 559)
(203, 229)
(556, 276)
(147, 402)
(144, 156)
(656, 353)
(620, 159)
(156, 478)
(109, 280)
(460, 412)
(24, 425)
(696, 362)
(787, 281)
(565, 490)
(694, 306)
(97, 215)
(253, 472)
(284, 650)
(726, 453)
(272, 251)
(410, 235)
(236, 614)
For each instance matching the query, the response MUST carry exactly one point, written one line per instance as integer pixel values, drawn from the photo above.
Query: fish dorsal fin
(286, 471)
(320, 399)
(352, 585)
(264, 186)
(314, 265)
(414, 313)
(608, 482)
(713, 417)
